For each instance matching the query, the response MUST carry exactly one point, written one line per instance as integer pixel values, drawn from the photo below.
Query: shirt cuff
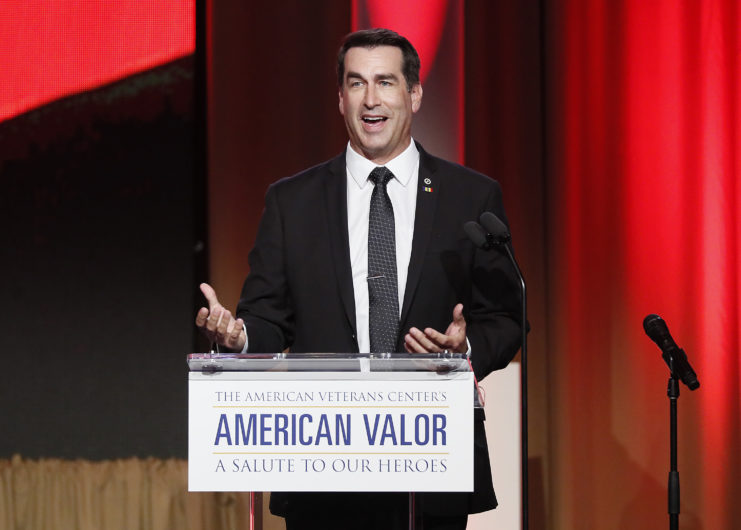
(247, 340)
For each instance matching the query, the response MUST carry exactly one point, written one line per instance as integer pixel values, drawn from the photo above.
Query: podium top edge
(333, 356)
(335, 362)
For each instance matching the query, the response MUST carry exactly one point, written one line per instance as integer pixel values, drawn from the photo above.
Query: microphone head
(495, 227)
(477, 234)
(651, 322)
(657, 331)
(673, 355)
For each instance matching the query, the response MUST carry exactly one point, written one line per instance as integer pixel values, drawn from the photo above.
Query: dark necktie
(383, 296)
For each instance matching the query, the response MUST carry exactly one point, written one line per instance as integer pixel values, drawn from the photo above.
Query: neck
(379, 158)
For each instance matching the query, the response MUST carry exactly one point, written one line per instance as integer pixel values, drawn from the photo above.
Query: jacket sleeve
(265, 291)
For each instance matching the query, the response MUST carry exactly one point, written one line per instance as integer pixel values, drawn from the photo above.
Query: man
(367, 253)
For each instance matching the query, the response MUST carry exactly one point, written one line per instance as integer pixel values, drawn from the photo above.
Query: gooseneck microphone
(493, 233)
(673, 355)
(478, 235)
(496, 228)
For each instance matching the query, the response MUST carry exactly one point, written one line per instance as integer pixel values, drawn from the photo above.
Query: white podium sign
(330, 431)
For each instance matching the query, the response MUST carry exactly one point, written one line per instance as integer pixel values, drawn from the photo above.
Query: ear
(416, 97)
(341, 101)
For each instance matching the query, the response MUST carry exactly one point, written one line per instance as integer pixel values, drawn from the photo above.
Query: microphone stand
(523, 390)
(495, 233)
(523, 386)
(673, 394)
(680, 370)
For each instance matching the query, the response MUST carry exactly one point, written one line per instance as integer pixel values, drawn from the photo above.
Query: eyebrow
(378, 77)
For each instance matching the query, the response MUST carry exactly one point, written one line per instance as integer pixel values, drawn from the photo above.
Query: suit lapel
(428, 185)
(335, 195)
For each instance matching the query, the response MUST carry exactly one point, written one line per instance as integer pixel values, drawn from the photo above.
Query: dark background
(98, 269)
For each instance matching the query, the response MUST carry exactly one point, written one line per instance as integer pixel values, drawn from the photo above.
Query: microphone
(673, 355)
(478, 235)
(494, 225)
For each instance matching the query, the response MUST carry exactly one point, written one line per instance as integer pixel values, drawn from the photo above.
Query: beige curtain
(132, 494)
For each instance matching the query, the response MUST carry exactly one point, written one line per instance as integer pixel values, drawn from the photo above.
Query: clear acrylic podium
(331, 422)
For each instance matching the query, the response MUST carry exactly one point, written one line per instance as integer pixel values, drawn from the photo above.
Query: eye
(385, 83)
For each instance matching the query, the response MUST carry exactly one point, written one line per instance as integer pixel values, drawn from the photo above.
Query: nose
(371, 97)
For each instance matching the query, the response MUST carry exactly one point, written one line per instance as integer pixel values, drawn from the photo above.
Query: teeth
(373, 120)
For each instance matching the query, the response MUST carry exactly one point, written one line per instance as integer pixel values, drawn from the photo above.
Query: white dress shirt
(402, 190)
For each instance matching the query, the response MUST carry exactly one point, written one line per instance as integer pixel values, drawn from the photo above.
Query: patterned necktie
(383, 295)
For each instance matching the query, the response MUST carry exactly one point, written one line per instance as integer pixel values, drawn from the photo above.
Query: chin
(375, 148)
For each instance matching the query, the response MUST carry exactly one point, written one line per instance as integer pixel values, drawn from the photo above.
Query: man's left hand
(432, 341)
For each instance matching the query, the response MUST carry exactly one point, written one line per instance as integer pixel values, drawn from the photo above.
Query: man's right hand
(218, 324)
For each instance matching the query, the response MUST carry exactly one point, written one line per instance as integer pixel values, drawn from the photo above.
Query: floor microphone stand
(680, 370)
(673, 393)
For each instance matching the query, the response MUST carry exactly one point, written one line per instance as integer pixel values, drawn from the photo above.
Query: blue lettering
(438, 426)
(301, 421)
(264, 429)
(281, 427)
(323, 430)
(222, 431)
(293, 429)
(422, 428)
(403, 432)
(371, 437)
(388, 430)
(342, 431)
(251, 428)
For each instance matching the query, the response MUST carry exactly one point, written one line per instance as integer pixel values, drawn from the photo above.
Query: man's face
(376, 104)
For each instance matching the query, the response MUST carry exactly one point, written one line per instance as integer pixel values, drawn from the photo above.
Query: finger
(426, 341)
(411, 344)
(230, 328)
(210, 295)
(202, 323)
(201, 317)
(457, 327)
(458, 315)
(235, 338)
(223, 323)
(440, 339)
(213, 319)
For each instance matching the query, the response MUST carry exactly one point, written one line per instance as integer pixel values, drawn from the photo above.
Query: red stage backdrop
(643, 169)
(53, 48)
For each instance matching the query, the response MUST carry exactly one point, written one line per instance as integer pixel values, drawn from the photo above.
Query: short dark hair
(370, 38)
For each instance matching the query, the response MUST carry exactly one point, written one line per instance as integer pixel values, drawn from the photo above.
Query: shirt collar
(403, 166)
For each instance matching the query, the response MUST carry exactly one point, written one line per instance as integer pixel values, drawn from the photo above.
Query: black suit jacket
(299, 292)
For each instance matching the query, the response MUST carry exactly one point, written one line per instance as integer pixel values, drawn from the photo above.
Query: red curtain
(272, 113)
(643, 124)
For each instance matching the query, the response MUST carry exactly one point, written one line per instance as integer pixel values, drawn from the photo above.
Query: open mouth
(374, 119)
